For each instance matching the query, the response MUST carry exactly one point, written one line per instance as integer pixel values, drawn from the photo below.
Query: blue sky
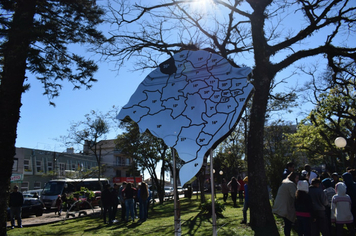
(41, 124)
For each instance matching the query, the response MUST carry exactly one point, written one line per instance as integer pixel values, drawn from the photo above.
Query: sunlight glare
(203, 6)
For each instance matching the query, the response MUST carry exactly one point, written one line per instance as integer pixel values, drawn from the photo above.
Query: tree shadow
(194, 223)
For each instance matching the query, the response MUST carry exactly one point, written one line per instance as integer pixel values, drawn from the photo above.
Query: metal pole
(212, 193)
(177, 226)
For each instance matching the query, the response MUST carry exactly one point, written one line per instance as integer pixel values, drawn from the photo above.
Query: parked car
(168, 192)
(36, 193)
(31, 206)
(181, 190)
(153, 191)
(27, 195)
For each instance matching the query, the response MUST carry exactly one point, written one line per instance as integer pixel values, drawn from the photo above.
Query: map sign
(192, 102)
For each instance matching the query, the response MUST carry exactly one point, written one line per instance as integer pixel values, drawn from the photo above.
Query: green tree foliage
(206, 208)
(333, 116)
(261, 30)
(147, 152)
(90, 134)
(231, 154)
(35, 36)
(278, 152)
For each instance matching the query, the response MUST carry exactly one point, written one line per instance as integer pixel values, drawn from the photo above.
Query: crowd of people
(315, 202)
(237, 186)
(129, 198)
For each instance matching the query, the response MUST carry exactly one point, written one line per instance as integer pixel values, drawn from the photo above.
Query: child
(244, 210)
(303, 207)
(341, 210)
(59, 205)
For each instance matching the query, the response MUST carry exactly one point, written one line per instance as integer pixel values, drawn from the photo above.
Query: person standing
(129, 194)
(149, 200)
(234, 188)
(303, 208)
(106, 200)
(310, 174)
(122, 201)
(115, 201)
(59, 203)
(244, 210)
(289, 168)
(224, 189)
(351, 191)
(329, 191)
(341, 210)
(143, 195)
(320, 202)
(335, 179)
(15, 204)
(242, 189)
(284, 202)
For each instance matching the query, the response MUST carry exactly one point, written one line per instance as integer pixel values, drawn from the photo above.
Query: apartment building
(33, 167)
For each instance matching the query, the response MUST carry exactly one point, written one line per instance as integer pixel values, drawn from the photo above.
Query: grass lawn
(160, 222)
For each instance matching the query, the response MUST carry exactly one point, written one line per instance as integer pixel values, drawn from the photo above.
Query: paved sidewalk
(50, 217)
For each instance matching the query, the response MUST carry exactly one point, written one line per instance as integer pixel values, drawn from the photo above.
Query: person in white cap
(303, 208)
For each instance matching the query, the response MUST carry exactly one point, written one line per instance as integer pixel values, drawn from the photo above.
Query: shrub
(206, 208)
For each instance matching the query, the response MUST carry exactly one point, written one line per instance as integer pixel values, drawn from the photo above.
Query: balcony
(121, 164)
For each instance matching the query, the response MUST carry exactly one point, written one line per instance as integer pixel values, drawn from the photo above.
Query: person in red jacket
(59, 205)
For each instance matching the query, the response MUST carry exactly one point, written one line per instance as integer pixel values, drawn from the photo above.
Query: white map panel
(191, 101)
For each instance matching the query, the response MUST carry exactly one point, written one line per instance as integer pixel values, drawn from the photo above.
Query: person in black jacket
(303, 208)
(106, 200)
(234, 189)
(15, 204)
(115, 201)
(320, 201)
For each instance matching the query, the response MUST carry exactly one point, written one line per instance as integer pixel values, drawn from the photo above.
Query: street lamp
(340, 142)
(221, 172)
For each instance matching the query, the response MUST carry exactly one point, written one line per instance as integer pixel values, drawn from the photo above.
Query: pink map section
(192, 101)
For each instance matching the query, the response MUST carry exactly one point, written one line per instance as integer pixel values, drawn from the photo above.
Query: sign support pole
(213, 215)
(177, 225)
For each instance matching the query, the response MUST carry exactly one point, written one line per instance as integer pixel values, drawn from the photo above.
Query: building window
(62, 167)
(119, 161)
(24, 186)
(73, 167)
(39, 166)
(37, 185)
(15, 165)
(27, 165)
(127, 161)
(118, 173)
(49, 166)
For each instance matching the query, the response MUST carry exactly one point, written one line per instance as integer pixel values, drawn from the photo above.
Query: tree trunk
(201, 181)
(11, 88)
(262, 220)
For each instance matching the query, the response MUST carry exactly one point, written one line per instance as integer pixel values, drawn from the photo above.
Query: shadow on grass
(193, 223)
